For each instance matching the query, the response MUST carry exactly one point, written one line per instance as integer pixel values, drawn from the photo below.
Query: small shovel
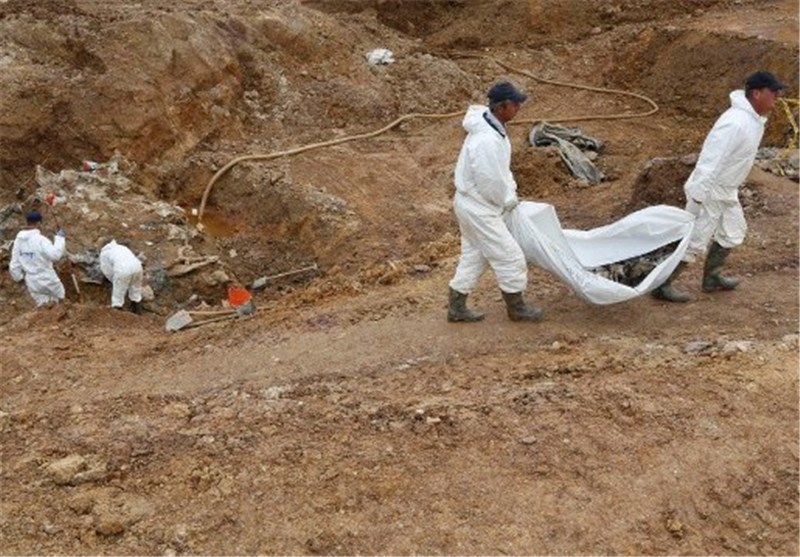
(178, 320)
(185, 319)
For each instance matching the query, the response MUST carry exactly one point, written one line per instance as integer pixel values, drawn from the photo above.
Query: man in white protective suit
(486, 193)
(124, 270)
(712, 190)
(32, 258)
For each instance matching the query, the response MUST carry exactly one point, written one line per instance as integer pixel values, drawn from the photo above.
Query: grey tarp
(570, 142)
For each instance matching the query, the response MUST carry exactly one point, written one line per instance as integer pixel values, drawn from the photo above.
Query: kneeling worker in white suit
(32, 258)
(485, 195)
(124, 270)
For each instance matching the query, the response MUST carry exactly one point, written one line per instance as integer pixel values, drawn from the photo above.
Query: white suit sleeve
(714, 156)
(106, 265)
(493, 179)
(52, 250)
(15, 267)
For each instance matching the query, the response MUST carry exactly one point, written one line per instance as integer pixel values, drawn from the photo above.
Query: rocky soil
(347, 416)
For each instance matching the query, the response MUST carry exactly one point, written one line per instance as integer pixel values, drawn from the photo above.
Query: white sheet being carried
(569, 254)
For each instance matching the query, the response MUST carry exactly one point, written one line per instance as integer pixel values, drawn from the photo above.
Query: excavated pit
(182, 93)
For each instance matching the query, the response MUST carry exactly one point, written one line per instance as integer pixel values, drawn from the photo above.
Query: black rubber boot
(518, 310)
(136, 307)
(458, 312)
(712, 279)
(669, 293)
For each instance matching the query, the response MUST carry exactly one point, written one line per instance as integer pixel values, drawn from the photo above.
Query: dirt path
(371, 425)
(348, 416)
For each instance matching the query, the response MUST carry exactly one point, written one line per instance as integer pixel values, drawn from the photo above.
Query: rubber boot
(669, 293)
(136, 307)
(518, 310)
(712, 279)
(458, 312)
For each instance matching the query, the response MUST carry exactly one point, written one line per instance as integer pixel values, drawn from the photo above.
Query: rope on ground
(277, 154)
(618, 116)
(303, 148)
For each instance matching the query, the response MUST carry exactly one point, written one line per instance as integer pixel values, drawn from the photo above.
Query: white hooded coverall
(712, 190)
(124, 270)
(485, 194)
(32, 258)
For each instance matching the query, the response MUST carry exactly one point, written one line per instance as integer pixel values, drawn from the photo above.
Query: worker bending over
(124, 270)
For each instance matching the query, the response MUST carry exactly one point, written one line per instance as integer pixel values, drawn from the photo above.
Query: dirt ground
(347, 416)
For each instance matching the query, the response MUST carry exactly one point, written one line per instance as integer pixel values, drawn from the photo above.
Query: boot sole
(672, 300)
(452, 319)
(714, 283)
(518, 318)
(719, 288)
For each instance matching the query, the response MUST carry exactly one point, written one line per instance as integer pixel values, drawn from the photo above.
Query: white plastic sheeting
(569, 254)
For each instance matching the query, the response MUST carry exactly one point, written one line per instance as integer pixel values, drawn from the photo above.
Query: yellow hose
(787, 111)
(277, 154)
(296, 150)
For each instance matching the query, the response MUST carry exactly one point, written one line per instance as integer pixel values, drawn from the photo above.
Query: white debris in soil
(380, 56)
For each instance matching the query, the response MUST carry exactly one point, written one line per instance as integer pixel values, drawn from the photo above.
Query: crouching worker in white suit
(485, 194)
(712, 190)
(32, 258)
(124, 270)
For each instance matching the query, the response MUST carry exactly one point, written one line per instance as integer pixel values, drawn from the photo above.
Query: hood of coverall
(740, 102)
(27, 234)
(27, 238)
(107, 245)
(473, 120)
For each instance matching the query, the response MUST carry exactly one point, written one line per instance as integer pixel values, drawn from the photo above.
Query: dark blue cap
(763, 80)
(505, 91)
(33, 216)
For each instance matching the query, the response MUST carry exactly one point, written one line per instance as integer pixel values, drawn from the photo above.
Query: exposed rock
(63, 471)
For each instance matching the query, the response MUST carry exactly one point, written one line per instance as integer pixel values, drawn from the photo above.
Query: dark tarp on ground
(571, 142)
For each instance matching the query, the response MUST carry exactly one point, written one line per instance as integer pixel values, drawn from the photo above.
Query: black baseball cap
(763, 80)
(506, 91)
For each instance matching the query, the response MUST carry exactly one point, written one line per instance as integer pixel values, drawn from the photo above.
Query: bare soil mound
(347, 416)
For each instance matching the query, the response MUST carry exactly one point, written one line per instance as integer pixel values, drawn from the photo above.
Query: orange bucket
(238, 296)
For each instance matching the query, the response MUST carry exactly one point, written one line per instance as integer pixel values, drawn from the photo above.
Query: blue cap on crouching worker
(763, 80)
(506, 91)
(33, 216)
